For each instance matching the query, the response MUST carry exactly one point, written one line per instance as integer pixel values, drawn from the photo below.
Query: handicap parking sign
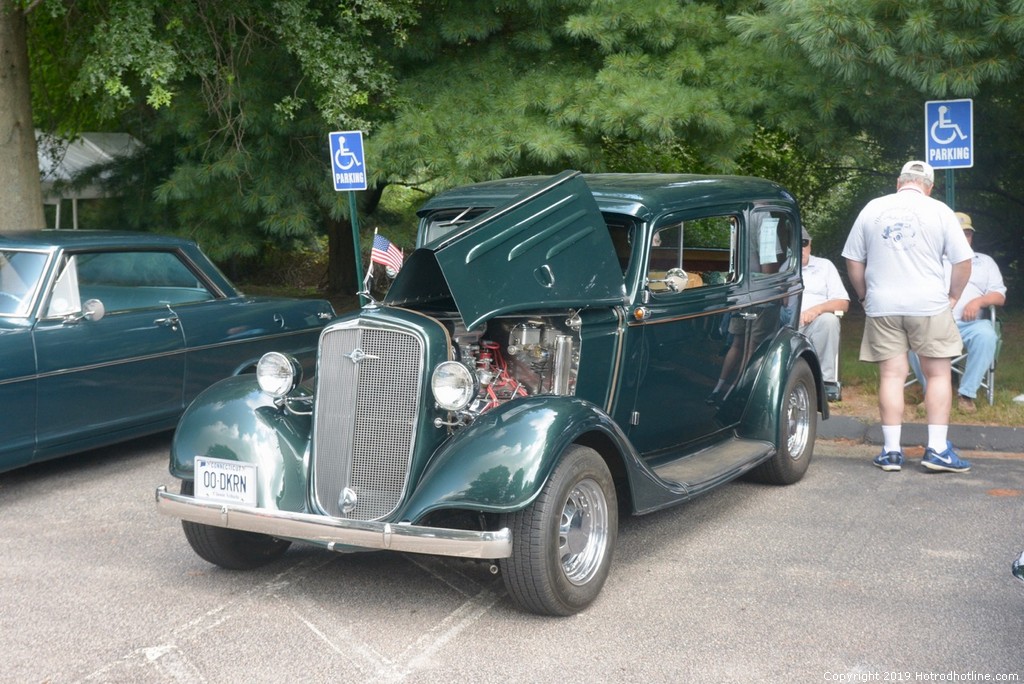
(949, 133)
(347, 165)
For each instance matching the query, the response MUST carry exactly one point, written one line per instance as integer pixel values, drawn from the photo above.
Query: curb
(967, 437)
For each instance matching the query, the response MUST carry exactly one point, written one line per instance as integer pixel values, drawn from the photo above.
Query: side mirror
(93, 310)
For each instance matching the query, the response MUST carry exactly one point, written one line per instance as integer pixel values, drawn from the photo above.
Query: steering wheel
(676, 279)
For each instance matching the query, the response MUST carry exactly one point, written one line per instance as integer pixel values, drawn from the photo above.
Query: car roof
(84, 239)
(636, 194)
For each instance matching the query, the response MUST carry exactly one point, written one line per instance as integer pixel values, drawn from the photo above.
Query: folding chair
(959, 364)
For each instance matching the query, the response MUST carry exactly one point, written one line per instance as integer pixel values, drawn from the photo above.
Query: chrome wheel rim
(798, 421)
(583, 532)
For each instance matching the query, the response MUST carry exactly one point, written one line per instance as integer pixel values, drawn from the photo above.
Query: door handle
(169, 322)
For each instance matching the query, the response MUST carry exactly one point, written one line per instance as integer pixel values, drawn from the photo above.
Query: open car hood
(547, 248)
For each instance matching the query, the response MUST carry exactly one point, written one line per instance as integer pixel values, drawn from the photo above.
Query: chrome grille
(365, 418)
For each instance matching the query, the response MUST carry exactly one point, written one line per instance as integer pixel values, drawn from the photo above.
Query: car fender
(500, 462)
(761, 416)
(234, 420)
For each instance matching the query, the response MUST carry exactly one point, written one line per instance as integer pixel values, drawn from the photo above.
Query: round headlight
(453, 385)
(278, 374)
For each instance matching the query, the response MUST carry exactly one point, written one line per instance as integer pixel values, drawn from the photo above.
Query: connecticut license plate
(228, 481)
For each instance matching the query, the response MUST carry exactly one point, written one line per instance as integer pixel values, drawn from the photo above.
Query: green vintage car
(555, 350)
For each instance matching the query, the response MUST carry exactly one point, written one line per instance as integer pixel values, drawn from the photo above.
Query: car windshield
(447, 221)
(20, 272)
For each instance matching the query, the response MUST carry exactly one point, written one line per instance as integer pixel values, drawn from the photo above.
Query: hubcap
(798, 421)
(583, 532)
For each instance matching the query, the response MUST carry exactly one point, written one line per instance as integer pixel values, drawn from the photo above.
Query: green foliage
(240, 159)
(234, 100)
(517, 87)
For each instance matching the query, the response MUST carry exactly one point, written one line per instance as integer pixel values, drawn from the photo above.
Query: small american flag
(386, 254)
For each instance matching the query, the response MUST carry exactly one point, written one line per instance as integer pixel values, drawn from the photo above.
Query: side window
(138, 280)
(65, 300)
(772, 239)
(623, 232)
(695, 252)
(20, 274)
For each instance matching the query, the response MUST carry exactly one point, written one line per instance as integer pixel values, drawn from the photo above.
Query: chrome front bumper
(334, 532)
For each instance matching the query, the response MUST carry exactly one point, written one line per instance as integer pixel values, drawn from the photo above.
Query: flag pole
(369, 267)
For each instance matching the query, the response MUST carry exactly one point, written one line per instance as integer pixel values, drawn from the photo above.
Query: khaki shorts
(887, 337)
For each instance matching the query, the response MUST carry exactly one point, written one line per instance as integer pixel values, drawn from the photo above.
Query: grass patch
(863, 377)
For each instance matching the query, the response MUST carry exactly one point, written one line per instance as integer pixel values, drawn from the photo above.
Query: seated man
(824, 296)
(984, 289)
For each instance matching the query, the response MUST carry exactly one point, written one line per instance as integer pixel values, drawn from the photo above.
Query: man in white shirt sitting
(824, 297)
(984, 289)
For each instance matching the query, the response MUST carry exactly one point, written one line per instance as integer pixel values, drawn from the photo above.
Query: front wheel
(798, 428)
(231, 549)
(563, 541)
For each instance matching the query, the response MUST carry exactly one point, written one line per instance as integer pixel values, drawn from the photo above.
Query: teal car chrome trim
(320, 529)
(149, 357)
(613, 386)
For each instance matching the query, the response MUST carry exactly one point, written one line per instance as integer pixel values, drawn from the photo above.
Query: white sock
(891, 435)
(937, 437)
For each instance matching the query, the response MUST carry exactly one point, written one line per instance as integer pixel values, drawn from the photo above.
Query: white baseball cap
(919, 168)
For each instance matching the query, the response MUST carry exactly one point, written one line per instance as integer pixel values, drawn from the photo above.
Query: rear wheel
(563, 542)
(231, 549)
(798, 428)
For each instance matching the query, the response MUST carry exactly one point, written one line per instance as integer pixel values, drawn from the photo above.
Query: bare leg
(892, 374)
(938, 398)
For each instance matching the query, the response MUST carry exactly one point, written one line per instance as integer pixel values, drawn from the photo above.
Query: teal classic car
(107, 336)
(556, 350)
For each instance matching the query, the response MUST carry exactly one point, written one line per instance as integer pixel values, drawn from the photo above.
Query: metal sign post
(949, 139)
(348, 169)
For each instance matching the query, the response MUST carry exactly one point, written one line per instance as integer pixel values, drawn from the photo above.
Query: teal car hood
(547, 248)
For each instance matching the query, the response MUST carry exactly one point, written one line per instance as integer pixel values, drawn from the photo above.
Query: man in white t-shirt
(824, 296)
(894, 258)
(984, 289)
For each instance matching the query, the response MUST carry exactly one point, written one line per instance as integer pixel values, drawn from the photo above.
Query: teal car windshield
(20, 273)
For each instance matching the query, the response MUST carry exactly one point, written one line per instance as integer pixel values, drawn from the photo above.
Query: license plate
(228, 481)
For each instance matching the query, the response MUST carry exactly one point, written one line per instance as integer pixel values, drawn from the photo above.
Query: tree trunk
(20, 193)
(341, 265)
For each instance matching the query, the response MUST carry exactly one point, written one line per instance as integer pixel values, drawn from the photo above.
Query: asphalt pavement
(851, 575)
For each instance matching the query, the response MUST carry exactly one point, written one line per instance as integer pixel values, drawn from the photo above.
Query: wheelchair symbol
(944, 124)
(344, 158)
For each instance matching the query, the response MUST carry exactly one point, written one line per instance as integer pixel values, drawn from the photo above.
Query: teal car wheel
(798, 428)
(562, 543)
(231, 549)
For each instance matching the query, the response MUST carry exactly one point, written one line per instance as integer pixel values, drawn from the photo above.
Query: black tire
(231, 549)
(562, 543)
(798, 428)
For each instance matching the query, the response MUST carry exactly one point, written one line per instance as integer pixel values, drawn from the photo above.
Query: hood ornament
(357, 355)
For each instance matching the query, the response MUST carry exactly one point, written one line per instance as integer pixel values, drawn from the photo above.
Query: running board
(715, 464)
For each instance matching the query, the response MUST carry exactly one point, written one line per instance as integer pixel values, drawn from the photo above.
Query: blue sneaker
(889, 460)
(947, 461)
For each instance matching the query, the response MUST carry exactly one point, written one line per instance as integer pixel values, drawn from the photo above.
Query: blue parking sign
(949, 133)
(347, 165)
